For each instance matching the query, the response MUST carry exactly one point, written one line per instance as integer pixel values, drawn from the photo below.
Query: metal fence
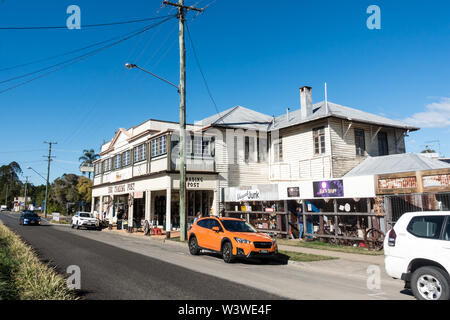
(396, 205)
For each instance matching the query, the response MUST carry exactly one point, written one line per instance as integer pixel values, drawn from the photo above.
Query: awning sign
(328, 188)
(244, 195)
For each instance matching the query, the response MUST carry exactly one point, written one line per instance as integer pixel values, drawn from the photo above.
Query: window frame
(360, 134)
(385, 143)
(124, 164)
(319, 134)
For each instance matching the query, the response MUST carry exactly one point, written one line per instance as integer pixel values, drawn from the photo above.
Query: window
(383, 149)
(143, 152)
(426, 226)
(261, 149)
(117, 160)
(360, 143)
(446, 235)
(203, 223)
(107, 164)
(319, 140)
(140, 152)
(126, 158)
(198, 145)
(159, 146)
(278, 150)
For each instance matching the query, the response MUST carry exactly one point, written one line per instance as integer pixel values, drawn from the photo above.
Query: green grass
(304, 257)
(23, 276)
(328, 246)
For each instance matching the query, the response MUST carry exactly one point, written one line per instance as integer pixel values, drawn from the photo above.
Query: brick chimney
(305, 101)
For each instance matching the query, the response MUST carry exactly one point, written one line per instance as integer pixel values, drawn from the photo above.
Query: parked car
(3, 208)
(28, 217)
(231, 238)
(417, 250)
(85, 220)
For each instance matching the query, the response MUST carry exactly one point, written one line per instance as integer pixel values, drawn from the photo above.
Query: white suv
(84, 219)
(417, 250)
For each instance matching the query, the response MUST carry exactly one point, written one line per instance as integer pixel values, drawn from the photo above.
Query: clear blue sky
(254, 53)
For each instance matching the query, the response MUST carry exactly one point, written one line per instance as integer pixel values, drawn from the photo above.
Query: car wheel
(193, 246)
(78, 226)
(71, 225)
(430, 283)
(227, 252)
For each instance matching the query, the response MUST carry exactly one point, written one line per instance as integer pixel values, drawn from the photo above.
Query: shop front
(128, 205)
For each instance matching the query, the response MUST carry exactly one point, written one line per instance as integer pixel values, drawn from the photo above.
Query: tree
(9, 180)
(88, 158)
(428, 150)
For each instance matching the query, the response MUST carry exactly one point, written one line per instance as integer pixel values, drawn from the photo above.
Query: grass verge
(328, 246)
(304, 257)
(23, 276)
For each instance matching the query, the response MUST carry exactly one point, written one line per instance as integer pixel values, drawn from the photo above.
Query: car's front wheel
(193, 246)
(430, 283)
(227, 252)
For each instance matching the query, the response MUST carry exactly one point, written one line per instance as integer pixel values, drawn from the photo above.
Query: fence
(396, 205)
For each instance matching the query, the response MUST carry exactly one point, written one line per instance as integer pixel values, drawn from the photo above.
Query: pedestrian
(300, 222)
(199, 215)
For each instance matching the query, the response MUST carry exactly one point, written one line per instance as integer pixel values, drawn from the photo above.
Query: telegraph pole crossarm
(181, 6)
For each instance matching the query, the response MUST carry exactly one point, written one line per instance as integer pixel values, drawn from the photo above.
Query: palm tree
(88, 158)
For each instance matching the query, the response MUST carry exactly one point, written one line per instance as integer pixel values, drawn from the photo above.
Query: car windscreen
(85, 215)
(30, 215)
(238, 226)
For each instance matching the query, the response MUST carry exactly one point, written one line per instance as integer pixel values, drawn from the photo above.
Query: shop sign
(139, 195)
(244, 195)
(438, 180)
(328, 188)
(293, 192)
(194, 182)
(121, 188)
(397, 183)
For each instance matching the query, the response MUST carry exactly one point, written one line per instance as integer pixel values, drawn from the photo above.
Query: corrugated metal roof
(403, 162)
(239, 117)
(337, 111)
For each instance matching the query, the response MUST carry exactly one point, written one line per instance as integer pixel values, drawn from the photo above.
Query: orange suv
(231, 237)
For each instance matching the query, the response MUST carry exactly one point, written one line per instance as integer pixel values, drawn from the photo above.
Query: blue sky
(254, 53)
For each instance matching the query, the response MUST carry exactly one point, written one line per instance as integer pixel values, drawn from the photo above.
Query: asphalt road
(109, 272)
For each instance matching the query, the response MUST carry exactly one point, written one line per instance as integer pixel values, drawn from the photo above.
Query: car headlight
(240, 240)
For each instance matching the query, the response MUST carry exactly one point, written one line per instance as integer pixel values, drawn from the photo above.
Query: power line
(74, 60)
(200, 69)
(133, 33)
(83, 26)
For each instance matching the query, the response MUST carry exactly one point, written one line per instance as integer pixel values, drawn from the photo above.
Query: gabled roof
(403, 162)
(339, 111)
(113, 141)
(238, 117)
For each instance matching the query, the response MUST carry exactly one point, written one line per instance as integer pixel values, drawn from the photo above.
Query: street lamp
(181, 90)
(30, 168)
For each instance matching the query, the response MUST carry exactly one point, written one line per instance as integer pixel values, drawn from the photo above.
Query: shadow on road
(279, 259)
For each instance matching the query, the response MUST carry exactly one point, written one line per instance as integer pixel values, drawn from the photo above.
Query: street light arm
(37, 173)
(131, 66)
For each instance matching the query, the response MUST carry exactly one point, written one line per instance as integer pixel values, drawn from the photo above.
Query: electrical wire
(201, 70)
(83, 26)
(74, 60)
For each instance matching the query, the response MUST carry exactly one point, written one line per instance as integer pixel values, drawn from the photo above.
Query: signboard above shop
(328, 188)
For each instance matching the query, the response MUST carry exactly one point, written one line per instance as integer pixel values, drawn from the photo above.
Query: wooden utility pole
(49, 158)
(182, 9)
(25, 198)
